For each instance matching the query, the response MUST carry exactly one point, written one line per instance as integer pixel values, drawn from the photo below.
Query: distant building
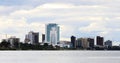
(52, 33)
(99, 41)
(73, 41)
(84, 43)
(64, 44)
(108, 43)
(14, 42)
(32, 38)
(43, 38)
(78, 43)
(91, 42)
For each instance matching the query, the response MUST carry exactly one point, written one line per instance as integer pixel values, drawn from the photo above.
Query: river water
(59, 56)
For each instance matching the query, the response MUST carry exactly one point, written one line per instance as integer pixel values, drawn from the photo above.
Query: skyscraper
(78, 43)
(91, 42)
(73, 41)
(84, 42)
(52, 33)
(43, 37)
(99, 41)
(32, 37)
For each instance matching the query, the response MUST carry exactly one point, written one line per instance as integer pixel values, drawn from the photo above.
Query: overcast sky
(81, 18)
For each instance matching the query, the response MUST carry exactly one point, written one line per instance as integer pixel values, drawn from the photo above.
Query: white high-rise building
(53, 36)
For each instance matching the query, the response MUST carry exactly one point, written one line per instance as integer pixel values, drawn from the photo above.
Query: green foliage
(4, 45)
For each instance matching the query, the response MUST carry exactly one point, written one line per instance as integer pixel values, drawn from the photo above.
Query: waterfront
(60, 56)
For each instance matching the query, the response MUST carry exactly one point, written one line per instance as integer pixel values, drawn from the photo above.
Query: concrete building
(64, 44)
(32, 38)
(43, 38)
(52, 33)
(73, 41)
(14, 42)
(99, 41)
(108, 43)
(84, 43)
(78, 43)
(91, 42)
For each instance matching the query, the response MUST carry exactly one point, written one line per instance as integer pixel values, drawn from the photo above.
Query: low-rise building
(64, 44)
(14, 42)
(108, 43)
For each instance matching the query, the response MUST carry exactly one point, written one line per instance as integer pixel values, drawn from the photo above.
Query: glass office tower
(52, 33)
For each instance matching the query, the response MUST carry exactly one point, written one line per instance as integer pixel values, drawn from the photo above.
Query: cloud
(18, 27)
(93, 27)
(73, 19)
(56, 6)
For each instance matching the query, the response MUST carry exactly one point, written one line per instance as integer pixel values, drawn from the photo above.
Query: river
(59, 56)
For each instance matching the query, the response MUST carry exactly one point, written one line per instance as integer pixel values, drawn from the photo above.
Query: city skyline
(17, 17)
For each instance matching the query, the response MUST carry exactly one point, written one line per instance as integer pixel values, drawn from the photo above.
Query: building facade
(73, 41)
(108, 43)
(91, 42)
(43, 38)
(52, 33)
(99, 41)
(32, 37)
(14, 42)
(84, 43)
(65, 44)
(78, 43)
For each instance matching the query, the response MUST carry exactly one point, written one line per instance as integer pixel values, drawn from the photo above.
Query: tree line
(6, 45)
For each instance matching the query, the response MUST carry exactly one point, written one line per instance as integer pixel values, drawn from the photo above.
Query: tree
(5, 44)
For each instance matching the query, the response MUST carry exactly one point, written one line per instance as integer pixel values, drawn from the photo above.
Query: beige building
(84, 42)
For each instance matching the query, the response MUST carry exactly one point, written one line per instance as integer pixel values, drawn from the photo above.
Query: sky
(81, 18)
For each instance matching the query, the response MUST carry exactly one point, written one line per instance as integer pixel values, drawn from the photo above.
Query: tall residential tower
(73, 41)
(52, 33)
(99, 41)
